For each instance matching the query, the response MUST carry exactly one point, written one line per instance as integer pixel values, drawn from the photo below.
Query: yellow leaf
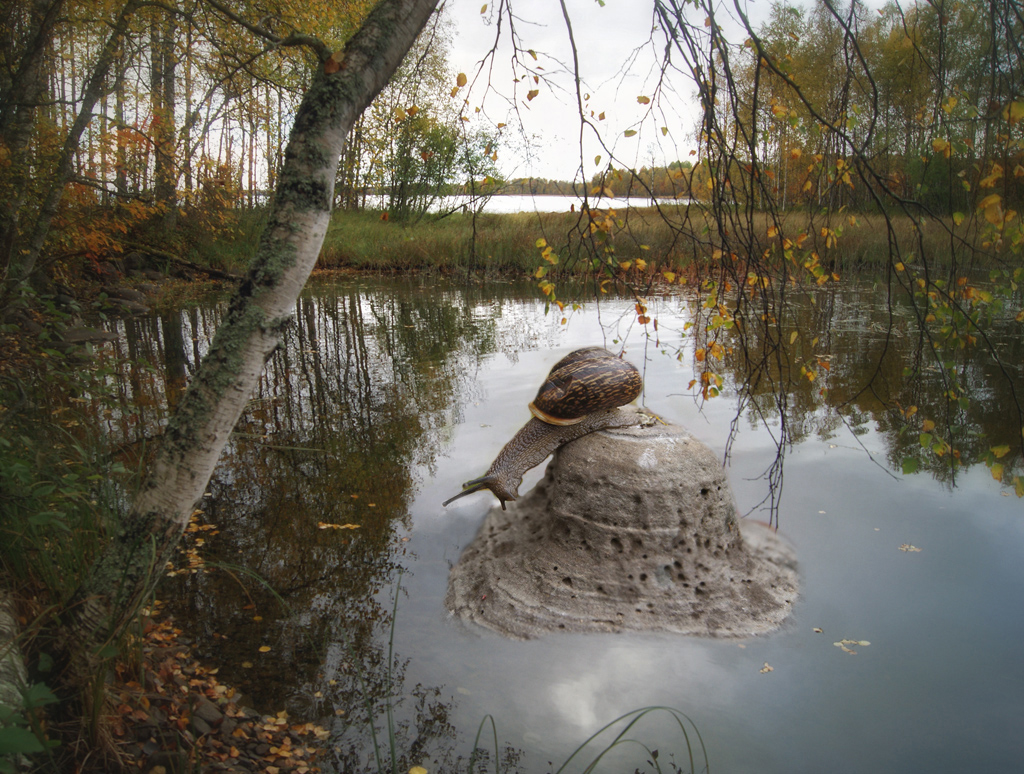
(483, 9)
(773, 232)
(1014, 112)
(461, 80)
(641, 264)
(264, 648)
(997, 471)
(993, 177)
(792, 336)
(664, 131)
(928, 425)
(420, 769)
(597, 159)
(629, 133)
(542, 242)
(531, 94)
(669, 276)
(940, 146)
(994, 213)
(399, 114)
(600, 116)
(643, 100)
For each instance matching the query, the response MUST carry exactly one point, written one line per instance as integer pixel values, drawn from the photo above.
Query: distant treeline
(670, 181)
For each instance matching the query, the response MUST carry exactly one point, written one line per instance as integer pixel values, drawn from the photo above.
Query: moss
(305, 192)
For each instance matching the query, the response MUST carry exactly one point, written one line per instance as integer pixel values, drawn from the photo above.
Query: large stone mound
(630, 529)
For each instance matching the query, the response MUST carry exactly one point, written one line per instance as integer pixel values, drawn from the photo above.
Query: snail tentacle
(469, 487)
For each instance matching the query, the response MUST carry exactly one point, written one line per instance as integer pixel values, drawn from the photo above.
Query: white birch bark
(132, 563)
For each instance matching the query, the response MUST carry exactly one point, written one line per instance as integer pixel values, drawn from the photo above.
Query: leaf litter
(171, 705)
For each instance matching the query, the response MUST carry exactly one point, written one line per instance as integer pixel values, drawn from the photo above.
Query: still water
(508, 203)
(389, 394)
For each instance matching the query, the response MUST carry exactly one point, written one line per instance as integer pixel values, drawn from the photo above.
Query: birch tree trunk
(133, 561)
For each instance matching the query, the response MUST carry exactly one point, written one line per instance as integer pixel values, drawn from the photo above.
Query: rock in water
(630, 529)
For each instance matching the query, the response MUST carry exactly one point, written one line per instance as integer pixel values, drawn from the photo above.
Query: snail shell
(581, 395)
(583, 382)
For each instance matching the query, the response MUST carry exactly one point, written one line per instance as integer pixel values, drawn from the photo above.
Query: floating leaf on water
(817, 630)
(906, 547)
(766, 668)
(842, 645)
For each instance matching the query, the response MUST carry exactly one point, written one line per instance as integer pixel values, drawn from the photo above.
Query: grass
(672, 237)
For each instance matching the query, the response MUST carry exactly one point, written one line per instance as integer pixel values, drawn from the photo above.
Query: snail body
(581, 394)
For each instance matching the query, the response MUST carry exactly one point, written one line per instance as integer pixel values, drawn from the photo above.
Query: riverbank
(167, 711)
(672, 236)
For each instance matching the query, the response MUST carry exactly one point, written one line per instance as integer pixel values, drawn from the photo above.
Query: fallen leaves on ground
(171, 707)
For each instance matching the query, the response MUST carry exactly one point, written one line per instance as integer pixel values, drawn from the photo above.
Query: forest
(229, 140)
(132, 125)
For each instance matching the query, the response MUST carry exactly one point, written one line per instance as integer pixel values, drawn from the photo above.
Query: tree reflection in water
(845, 367)
(361, 400)
(300, 536)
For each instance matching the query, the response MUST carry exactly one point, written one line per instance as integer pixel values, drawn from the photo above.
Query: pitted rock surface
(630, 529)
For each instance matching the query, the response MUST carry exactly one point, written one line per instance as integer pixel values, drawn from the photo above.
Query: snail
(581, 394)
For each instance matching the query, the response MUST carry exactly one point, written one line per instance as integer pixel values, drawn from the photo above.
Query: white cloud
(617, 65)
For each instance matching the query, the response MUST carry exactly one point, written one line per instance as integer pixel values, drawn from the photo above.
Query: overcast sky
(617, 62)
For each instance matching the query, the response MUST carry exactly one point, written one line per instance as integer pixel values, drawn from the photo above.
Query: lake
(388, 394)
(510, 203)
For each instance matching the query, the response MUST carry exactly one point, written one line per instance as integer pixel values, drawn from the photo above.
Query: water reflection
(844, 368)
(303, 526)
(353, 419)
